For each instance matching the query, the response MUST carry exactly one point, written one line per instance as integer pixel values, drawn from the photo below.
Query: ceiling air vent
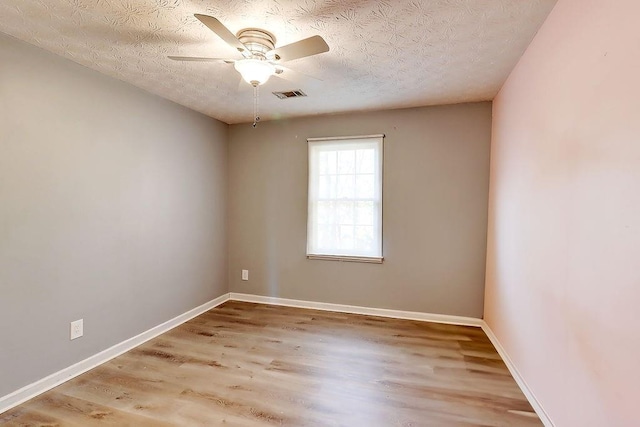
(290, 94)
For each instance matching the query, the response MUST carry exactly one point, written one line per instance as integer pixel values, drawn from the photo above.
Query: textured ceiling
(383, 53)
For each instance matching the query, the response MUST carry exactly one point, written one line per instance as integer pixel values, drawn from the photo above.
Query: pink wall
(563, 263)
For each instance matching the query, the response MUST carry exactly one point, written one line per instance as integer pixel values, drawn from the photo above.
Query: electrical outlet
(77, 329)
(245, 274)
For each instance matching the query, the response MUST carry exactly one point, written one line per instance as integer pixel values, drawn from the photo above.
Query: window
(345, 198)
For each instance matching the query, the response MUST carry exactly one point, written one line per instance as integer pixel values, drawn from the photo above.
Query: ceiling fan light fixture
(255, 71)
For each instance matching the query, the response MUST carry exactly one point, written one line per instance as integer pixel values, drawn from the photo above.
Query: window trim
(350, 258)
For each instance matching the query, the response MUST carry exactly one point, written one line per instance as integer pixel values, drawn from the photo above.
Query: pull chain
(256, 95)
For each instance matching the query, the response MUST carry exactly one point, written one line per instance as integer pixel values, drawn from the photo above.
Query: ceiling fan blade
(200, 59)
(300, 49)
(294, 76)
(223, 32)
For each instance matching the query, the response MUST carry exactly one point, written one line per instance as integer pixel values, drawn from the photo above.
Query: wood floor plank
(251, 365)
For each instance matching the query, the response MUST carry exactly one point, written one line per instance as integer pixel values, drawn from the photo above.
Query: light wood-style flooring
(243, 364)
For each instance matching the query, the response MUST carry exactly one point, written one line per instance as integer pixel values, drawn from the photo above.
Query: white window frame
(332, 143)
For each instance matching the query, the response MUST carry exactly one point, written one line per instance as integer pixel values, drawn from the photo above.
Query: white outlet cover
(245, 274)
(77, 329)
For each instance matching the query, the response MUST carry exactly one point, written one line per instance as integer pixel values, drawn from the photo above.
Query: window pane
(347, 241)
(365, 186)
(364, 213)
(326, 236)
(326, 212)
(327, 187)
(328, 162)
(345, 213)
(346, 161)
(346, 189)
(365, 161)
(364, 237)
(323, 162)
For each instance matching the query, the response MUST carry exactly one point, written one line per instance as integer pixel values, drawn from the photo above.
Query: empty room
(319, 213)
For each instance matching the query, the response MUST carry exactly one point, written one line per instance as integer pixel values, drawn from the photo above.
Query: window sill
(343, 258)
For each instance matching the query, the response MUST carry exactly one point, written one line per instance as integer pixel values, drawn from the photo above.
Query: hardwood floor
(244, 364)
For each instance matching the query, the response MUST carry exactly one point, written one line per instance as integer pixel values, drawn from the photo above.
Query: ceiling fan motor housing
(257, 41)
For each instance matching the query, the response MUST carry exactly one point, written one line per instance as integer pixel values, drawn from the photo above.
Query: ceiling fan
(261, 58)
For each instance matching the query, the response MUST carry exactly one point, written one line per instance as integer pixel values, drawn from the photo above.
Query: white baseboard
(544, 417)
(32, 390)
(341, 308)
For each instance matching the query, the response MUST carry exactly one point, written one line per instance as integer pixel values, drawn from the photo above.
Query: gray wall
(436, 178)
(112, 209)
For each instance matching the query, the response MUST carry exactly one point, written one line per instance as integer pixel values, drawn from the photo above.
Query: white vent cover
(290, 94)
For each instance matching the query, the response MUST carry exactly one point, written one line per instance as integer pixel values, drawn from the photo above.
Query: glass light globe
(254, 71)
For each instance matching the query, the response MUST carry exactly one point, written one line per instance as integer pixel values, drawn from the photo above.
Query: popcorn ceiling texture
(383, 54)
